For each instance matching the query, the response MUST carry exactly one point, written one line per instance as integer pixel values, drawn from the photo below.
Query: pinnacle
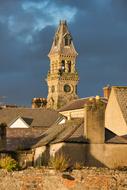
(62, 43)
(63, 22)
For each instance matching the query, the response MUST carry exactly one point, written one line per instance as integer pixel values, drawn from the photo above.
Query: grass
(59, 162)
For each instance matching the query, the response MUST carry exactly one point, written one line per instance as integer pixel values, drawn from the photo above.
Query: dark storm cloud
(99, 30)
(26, 32)
(102, 42)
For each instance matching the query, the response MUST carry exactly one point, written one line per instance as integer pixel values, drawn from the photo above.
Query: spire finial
(63, 22)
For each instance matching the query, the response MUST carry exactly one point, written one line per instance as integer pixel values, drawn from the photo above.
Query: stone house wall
(109, 155)
(96, 152)
(114, 120)
(99, 155)
(25, 158)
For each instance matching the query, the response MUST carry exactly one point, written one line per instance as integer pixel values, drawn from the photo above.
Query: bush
(8, 163)
(59, 162)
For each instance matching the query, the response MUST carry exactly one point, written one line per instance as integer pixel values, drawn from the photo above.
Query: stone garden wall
(44, 179)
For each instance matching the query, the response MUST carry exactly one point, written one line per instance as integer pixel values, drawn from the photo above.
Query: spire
(62, 78)
(62, 42)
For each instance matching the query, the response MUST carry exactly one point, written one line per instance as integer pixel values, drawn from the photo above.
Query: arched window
(67, 40)
(69, 66)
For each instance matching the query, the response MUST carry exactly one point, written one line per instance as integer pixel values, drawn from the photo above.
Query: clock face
(53, 88)
(67, 88)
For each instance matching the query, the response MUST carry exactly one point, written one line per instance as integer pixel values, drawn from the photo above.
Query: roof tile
(121, 95)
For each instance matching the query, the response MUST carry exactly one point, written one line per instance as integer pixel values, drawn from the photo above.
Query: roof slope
(35, 117)
(62, 133)
(73, 131)
(78, 104)
(121, 95)
(111, 137)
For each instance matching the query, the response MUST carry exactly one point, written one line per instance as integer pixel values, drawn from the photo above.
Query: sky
(27, 27)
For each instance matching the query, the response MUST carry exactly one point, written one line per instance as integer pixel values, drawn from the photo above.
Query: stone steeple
(62, 39)
(62, 77)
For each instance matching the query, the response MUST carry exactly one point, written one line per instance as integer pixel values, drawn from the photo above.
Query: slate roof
(121, 95)
(117, 140)
(111, 137)
(34, 117)
(78, 135)
(27, 120)
(78, 104)
(71, 131)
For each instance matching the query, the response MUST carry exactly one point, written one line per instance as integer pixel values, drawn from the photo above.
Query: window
(67, 40)
(69, 66)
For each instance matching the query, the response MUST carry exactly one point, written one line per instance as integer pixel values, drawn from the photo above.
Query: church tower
(62, 77)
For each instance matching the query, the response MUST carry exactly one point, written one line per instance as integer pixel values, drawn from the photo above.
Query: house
(24, 125)
(75, 108)
(116, 111)
(84, 140)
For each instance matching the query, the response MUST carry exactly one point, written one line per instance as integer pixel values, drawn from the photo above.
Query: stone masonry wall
(106, 155)
(44, 179)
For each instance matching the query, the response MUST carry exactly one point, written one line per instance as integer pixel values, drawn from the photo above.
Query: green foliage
(8, 163)
(59, 162)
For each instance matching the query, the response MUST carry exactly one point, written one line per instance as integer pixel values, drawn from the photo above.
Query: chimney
(107, 91)
(39, 102)
(94, 121)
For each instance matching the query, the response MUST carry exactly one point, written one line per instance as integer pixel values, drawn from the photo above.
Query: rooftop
(78, 104)
(67, 132)
(36, 117)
